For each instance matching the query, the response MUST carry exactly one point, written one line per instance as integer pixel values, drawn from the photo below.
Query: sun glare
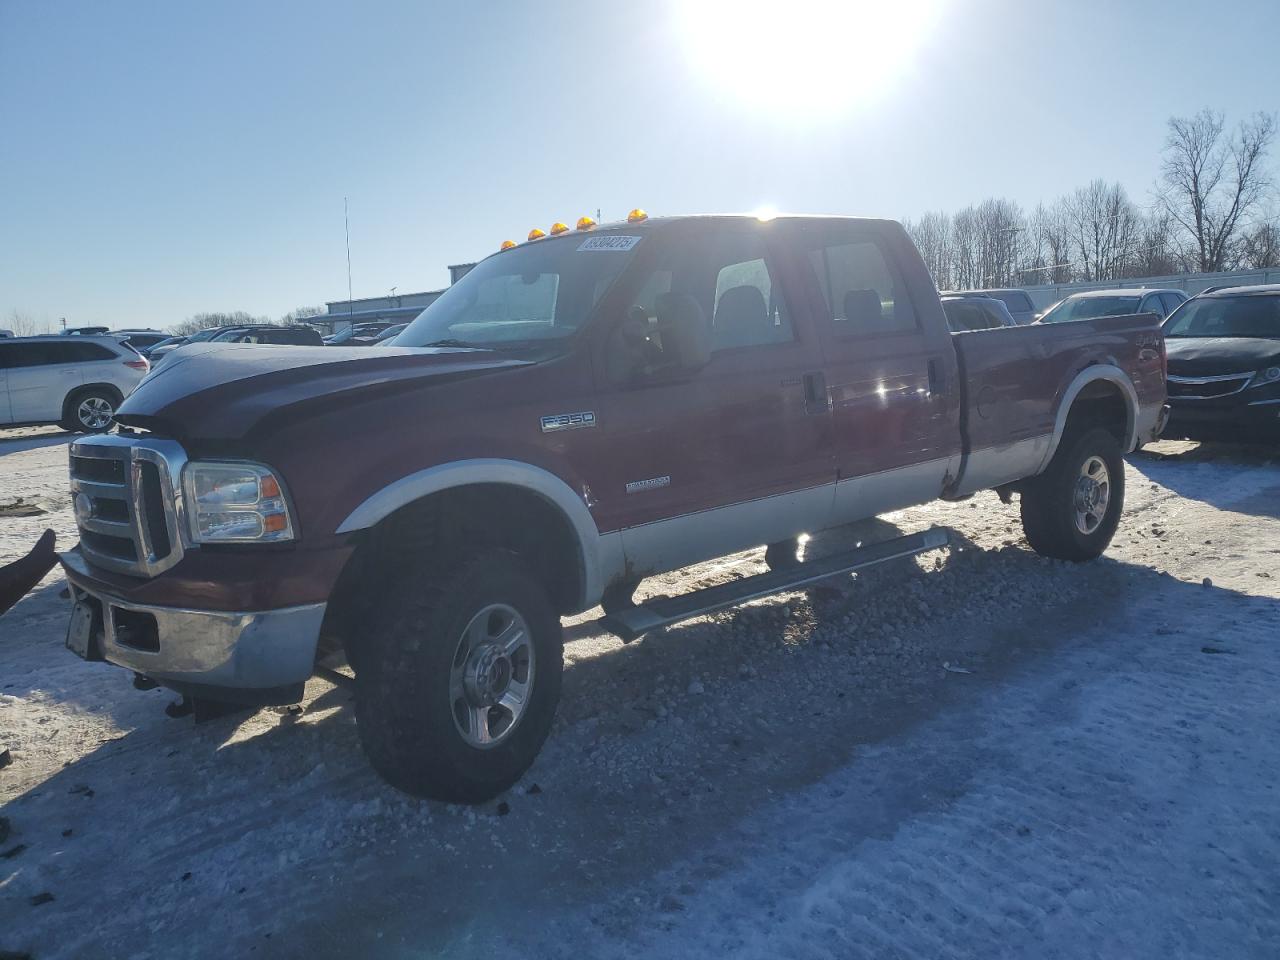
(802, 57)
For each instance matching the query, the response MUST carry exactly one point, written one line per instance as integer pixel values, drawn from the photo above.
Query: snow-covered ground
(979, 753)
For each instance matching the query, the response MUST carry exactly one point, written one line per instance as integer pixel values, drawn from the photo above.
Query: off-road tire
(404, 709)
(1048, 501)
(71, 421)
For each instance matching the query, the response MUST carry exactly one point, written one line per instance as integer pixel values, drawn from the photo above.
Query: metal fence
(1048, 294)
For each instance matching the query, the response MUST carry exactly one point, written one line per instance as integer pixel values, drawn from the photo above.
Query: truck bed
(1016, 383)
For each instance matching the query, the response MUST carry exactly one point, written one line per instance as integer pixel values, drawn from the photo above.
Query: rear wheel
(1071, 511)
(459, 683)
(91, 410)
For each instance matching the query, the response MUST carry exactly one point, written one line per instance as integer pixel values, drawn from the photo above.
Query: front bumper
(1259, 420)
(246, 656)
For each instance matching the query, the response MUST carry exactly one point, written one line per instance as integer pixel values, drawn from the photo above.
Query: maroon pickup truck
(576, 413)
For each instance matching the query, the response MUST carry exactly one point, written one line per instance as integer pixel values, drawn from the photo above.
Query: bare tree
(201, 321)
(965, 271)
(1213, 183)
(1102, 229)
(25, 325)
(302, 313)
(1047, 254)
(1155, 253)
(1260, 246)
(999, 227)
(932, 237)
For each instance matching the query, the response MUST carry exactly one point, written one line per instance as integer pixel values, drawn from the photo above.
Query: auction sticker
(612, 242)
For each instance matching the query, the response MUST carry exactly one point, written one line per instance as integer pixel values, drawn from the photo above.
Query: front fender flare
(594, 551)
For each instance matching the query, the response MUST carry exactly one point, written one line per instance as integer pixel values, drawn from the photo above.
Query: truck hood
(222, 391)
(1218, 356)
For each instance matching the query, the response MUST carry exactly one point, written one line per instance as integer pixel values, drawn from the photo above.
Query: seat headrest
(862, 306)
(742, 316)
(684, 328)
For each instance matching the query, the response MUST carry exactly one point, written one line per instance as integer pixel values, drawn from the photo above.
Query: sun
(803, 57)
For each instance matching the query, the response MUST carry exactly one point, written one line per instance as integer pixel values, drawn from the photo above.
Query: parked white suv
(77, 382)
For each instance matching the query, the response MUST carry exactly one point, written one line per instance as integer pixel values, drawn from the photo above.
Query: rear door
(889, 364)
(701, 462)
(41, 376)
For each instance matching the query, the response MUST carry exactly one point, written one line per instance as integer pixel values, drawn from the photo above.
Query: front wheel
(460, 680)
(90, 411)
(1071, 511)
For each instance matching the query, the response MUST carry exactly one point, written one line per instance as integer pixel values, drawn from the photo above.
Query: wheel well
(109, 388)
(1100, 403)
(429, 534)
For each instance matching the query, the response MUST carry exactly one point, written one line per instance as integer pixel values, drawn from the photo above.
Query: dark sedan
(1224, 366)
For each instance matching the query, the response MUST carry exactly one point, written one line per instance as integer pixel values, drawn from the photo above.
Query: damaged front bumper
(254, 657)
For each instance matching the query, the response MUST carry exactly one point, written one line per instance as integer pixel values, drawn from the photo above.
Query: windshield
(1226, 317)
(1086, 308)
(538, 293)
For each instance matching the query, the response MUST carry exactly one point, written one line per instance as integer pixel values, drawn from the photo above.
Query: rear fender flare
(1105, 372)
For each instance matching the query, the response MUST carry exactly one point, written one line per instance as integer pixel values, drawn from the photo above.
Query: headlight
(235, 502)
(1269, 375)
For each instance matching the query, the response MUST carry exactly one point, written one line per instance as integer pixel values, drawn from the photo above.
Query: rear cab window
(862, 289)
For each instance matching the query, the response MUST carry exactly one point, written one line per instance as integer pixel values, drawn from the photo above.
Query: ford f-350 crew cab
(576, 413)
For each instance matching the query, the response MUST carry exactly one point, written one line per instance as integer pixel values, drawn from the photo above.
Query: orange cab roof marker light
(585, 223)
(507, 244)
(637, 216)
(558, 228)
(536, 234)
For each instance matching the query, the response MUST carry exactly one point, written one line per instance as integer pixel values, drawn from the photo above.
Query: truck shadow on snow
(259, 821)
(1240, 478)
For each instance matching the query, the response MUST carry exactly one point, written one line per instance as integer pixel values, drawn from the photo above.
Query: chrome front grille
(1208, 388)
(128, 502)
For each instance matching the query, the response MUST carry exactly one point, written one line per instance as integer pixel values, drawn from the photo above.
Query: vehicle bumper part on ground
(261, 656)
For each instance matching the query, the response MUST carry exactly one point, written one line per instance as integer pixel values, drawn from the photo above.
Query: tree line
(239, 318)
(25, 325)
(1210, 211)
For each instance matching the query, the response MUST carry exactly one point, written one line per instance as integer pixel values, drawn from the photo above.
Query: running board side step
(636, 621)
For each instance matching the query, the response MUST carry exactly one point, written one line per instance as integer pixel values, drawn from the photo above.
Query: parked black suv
(1224, 365)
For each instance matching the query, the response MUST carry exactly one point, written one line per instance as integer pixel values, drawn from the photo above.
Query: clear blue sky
(160, 159)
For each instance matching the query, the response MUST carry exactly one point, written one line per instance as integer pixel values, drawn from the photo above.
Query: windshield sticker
(609, 243)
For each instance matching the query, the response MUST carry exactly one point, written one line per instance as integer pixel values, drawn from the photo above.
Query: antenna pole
(346, 226)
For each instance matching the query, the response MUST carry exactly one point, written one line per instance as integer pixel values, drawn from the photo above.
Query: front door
(890, 376)
(714, 432)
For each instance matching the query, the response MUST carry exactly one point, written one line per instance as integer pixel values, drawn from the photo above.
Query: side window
(44, 353)
(746, 310)
(862, 288)
(994, 316)
(1171, 302)
(87, 352)
(1152, 304)
(712, 289)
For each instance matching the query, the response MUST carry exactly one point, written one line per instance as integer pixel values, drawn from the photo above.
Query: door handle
(815, 392)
